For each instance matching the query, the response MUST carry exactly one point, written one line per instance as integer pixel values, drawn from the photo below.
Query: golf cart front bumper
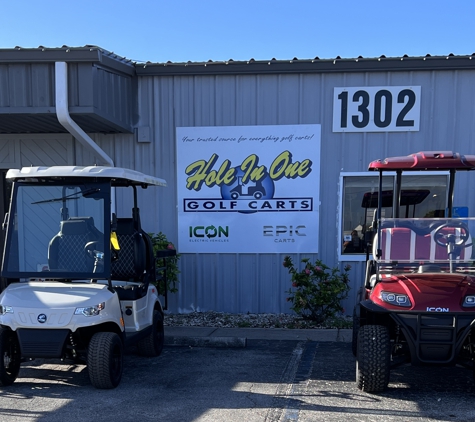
(42, 343)
(432, 337)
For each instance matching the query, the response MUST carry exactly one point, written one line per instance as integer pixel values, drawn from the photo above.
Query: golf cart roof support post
(397, 194)
(135, 196)
(451, 192)
(380, 199)
(378, 217)
(378, 220)
(135, 210)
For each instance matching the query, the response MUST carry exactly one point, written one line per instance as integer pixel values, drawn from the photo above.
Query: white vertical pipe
(62, 112)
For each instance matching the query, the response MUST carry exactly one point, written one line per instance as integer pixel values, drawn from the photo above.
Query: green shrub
(161, 243)
(317, 290)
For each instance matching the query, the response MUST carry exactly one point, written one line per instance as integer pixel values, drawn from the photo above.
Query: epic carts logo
(249, 187)
(284, 234)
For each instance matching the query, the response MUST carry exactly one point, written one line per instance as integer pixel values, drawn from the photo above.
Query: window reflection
(422, 196)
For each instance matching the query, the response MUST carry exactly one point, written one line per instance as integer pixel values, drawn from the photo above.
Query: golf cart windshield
(424, 245)
(58, 231)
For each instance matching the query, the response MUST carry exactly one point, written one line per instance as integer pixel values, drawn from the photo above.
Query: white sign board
(248, 189)
(376, 109)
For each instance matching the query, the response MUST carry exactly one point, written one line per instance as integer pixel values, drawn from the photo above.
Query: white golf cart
(79, 279)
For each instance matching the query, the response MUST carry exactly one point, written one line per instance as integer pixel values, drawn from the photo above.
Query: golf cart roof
(118, 176)
(426, 160)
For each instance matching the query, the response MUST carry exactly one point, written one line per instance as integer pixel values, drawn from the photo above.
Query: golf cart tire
(105, 360)
(10, 357)
(373, 358)
(152, 345)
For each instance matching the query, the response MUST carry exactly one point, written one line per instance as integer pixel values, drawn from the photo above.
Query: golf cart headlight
(90, 310)
(5, 310)
(396, 299)
(469, 301)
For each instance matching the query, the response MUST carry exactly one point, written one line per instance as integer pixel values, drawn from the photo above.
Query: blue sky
(202, 30)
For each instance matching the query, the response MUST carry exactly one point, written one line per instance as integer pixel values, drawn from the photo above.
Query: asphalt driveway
(268, 380)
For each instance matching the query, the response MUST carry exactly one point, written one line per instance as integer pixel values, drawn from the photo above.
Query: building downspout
(62, 112)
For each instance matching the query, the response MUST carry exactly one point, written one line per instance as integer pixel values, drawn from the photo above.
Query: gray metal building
(85, 105)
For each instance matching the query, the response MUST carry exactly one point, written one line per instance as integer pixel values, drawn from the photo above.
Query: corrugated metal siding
(9, 154)
(99, 99)
(36, 150)
(257, 282)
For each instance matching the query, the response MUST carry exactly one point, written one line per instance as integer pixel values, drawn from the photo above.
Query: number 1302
(376, 109)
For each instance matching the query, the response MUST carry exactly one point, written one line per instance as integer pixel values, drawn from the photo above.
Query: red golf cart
(417, 304)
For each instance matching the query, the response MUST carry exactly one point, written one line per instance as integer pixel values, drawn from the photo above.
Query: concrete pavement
(237, 337)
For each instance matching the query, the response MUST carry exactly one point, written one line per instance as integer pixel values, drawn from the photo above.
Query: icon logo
(41, 318)
(433, 309)
(209, 234)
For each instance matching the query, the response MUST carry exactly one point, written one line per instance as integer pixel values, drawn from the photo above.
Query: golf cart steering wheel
(94, 252)
(92, 248)
(458, 239)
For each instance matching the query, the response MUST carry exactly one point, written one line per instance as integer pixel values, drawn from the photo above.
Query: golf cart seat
(132, 260)
(66, 250)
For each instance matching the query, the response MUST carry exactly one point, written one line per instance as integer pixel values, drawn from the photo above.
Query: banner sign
(248, 189)
(376, 109)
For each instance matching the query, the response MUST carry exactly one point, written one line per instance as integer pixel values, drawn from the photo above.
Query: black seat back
(131, 262)
(66, 249)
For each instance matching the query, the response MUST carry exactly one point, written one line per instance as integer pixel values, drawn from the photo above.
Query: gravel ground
(226, 320)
